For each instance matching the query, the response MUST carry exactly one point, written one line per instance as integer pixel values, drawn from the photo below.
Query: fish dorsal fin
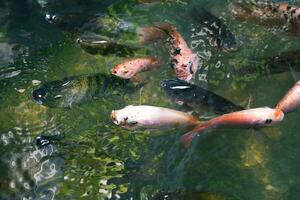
(249, 102)
(295, 75)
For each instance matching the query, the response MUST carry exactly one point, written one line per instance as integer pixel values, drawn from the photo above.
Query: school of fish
(184, 63)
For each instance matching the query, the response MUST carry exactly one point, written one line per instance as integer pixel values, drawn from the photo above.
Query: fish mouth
(164, 84)
(113, 117)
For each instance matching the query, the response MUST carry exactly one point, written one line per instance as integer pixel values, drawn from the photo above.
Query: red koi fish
(251, 118)
(291, 101)
(132, 67)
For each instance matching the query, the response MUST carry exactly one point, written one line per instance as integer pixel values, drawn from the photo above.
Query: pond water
(91, 158)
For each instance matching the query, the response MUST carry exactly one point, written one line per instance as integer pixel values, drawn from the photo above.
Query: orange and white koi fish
(183, 60)
(132, 67)
(291, 101)
(152, 117)
(251, 118)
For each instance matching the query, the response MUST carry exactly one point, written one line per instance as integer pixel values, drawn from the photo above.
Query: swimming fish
(130, 68)
(150, 34)
(152, 117)
(218, 33)
(98, 44)
(195, 97)
(183, 61)
(77, 90)
(268, 13)
(291, 100)
(251, 118)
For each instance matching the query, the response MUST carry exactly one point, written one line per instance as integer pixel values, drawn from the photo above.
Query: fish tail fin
(157, 62)
(167, 28)
(188, 137)
(150, 34)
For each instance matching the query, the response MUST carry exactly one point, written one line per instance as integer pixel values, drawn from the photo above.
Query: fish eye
(268, 121)
(132, 123)
(114, 71)
(177, 51)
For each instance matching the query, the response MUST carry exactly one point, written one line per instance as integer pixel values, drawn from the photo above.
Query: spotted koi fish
(268, 13)
(183, 61)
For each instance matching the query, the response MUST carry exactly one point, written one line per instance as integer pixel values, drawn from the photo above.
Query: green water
(94, 159)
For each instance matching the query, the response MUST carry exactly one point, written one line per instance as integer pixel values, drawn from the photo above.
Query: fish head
(40, 95)
(268, 117)
(94, 44)
(178, 90)
(93, 40)
(125, 117)
(185, 64)
(122, 71)
(55, 94)
(51, 18)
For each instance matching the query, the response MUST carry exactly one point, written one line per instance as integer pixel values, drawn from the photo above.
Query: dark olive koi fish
(195, 97)
(217, 32)
(77, 90)
(97, 44)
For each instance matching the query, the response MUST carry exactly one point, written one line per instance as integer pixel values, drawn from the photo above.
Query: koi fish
(251, 118)
(195, 97)
(268, 13)
(151, 34)
(291, 100)
(77, 90)
(98, 44)
(183, 60)
(149, 117)
(132, 67)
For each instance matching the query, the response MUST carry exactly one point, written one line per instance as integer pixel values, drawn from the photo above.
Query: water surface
(91, 158)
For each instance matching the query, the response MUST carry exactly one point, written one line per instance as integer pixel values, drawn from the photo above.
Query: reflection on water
(85, 156)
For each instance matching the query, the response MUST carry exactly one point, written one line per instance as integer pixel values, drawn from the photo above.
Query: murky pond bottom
(89, 157)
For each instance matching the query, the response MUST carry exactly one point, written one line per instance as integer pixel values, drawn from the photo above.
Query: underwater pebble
(36, 82)
(20, 90)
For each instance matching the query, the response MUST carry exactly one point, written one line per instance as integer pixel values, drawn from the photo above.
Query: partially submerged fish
(251, 118)
(76, 90)
(132, 67)
(150, 34)
(183, 60)
(291, 100)
(217, 32)
(151, 117)
(98, 44)
(268, 13)
(198, 98)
